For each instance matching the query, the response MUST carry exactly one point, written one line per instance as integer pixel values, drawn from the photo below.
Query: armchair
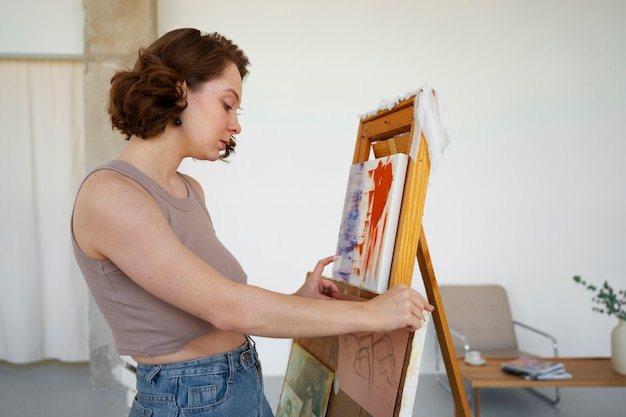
(479, 317)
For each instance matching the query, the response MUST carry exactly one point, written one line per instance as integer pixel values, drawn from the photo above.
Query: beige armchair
(479, 317)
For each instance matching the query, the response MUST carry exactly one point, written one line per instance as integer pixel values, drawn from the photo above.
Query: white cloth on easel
(430, 116)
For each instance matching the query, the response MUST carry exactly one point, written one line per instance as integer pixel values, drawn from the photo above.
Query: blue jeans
(225, 385)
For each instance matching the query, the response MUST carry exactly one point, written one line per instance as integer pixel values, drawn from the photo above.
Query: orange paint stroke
(382, 178)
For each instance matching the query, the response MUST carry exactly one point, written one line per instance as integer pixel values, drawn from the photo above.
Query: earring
(177, 122)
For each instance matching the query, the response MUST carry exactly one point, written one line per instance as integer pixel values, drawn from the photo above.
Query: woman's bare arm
(117, 219)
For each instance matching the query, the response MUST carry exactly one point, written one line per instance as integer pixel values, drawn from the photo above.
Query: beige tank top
(142, 324)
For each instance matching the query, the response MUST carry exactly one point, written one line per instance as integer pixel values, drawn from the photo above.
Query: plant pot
(618, 347)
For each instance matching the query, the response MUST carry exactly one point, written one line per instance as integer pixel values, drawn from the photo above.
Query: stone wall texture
(114, 31)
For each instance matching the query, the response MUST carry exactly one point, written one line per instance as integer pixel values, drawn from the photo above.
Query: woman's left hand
(317, 287)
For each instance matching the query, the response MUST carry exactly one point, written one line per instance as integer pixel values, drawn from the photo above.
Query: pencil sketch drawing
(370, 368)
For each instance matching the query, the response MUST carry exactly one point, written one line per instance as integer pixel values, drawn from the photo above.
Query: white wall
(41, 27)
(531, 191)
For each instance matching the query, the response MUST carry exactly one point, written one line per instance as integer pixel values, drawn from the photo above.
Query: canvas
(369, 222)
(370, 368)
(307, 385)
(407, 396)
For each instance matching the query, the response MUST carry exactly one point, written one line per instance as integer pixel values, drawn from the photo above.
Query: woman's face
(210, 118)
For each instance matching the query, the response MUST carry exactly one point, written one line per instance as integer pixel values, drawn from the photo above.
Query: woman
(174, 297)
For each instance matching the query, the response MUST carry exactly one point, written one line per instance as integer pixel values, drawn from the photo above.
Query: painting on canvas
(369, 222)
(307, 386)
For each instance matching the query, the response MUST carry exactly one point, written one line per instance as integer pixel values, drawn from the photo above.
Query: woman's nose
(235, 127)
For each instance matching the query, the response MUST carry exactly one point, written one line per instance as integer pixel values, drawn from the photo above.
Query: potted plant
(608, 301)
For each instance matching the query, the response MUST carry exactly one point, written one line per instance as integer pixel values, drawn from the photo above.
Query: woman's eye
(227, 107)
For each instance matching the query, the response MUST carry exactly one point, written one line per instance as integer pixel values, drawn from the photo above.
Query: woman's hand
(317, 287)
(399, 307)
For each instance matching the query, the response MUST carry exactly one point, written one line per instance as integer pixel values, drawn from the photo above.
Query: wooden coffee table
(586, 372)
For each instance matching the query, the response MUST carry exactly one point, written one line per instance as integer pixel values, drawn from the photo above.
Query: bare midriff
(200, 347)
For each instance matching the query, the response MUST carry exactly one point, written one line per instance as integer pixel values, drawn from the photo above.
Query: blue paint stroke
(348, 233)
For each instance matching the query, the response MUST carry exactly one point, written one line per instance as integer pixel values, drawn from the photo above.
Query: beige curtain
(43, 299)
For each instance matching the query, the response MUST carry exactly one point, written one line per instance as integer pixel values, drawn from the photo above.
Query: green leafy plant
(606, 299)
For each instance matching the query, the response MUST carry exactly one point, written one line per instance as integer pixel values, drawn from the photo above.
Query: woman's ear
(181, 86)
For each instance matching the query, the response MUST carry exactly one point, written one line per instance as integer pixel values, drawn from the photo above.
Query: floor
(55, 389)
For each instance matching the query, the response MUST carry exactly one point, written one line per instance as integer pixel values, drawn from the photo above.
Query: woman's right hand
(399, 307)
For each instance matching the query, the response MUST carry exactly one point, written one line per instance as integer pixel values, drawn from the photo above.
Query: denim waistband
(244, 356)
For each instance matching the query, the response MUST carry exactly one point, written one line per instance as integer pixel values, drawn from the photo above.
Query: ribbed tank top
(142, 324)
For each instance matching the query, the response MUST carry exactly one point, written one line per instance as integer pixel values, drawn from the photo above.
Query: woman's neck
(155, 158)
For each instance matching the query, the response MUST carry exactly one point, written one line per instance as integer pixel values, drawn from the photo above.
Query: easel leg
(441, 325)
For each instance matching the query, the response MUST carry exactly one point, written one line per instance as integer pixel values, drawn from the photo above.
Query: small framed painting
(307, 385)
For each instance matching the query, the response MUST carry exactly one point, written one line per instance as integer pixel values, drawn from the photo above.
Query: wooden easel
(386, 133)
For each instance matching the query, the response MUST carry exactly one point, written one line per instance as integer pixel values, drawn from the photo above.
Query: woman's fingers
(402, 307)
(328, 288)
(321, 264)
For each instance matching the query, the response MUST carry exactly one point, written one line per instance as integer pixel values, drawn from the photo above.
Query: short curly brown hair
(144, 99)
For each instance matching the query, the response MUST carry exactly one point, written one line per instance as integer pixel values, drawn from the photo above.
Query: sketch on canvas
(370, 368)
(369, 222)
(307, 385)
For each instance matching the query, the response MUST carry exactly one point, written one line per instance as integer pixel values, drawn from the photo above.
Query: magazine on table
(532, 367)
(560, 374)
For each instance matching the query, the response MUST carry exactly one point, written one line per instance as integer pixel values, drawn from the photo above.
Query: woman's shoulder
(106, 192)
(107, 204)
(110, 183)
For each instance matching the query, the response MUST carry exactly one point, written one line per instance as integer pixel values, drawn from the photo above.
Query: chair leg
(553, 401)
